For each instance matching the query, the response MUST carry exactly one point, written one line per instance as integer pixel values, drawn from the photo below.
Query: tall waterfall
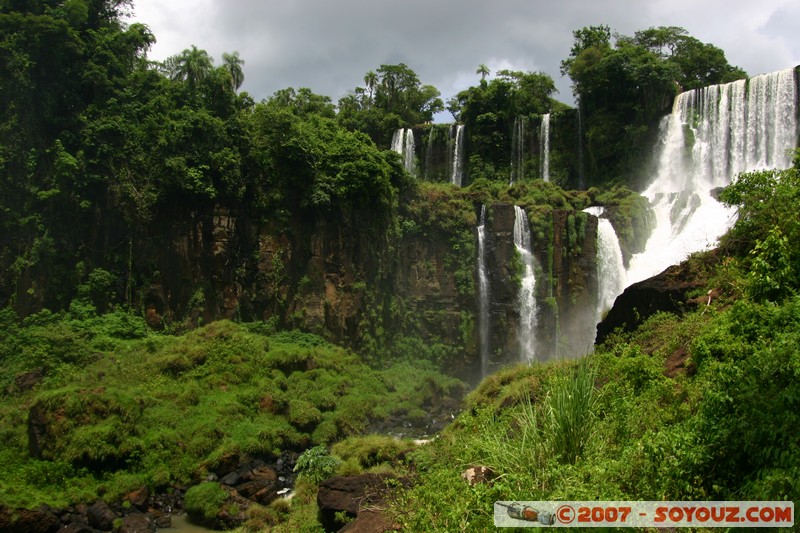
(713, 134)
(403, 144)
(458, 155)
(527, 290)
(544, 140)
(610, 268)
(429, 154)
(483, 295)
(517, 150)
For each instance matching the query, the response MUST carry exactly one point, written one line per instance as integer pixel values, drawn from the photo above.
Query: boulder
(101, 516)
(136, 523)
(139, 497)
(352, 495)
(666, 291)
(41, 520)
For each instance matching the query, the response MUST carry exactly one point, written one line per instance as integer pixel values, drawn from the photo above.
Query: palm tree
(233, 63)
(370, 80)
(483, 70)
(193, 65)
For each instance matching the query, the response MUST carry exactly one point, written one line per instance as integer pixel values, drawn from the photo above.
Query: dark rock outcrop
(666, 291)
(41, 520)
(359, 497)
(136, 523)
(101, 516)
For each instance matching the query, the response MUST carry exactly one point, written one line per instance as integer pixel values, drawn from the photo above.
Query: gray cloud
(328, 46)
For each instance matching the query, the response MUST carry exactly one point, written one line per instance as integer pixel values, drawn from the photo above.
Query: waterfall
(713, 134)
(403, 144)
(544, 141)
(610, 268)
(581, 177)
(458, 155)
(527, 290)
(429, 155)
(483, 295)
(517, 150)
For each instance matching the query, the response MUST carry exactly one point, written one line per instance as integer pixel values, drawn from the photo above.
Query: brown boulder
(136, 523)
(352, 495)
(40, 520)
(101, 516)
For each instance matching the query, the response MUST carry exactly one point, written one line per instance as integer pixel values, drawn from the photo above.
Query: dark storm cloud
(329, 45)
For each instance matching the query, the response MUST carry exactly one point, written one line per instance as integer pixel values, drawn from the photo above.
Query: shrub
(315, 464)
(204, 502)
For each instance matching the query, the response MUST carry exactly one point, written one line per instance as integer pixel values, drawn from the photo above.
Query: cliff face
(412, 281)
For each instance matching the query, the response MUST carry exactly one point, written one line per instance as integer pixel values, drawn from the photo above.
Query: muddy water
(181, 524)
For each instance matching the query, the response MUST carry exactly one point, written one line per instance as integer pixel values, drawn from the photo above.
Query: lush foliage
(624, 87)
(116, 407)
(489, 111)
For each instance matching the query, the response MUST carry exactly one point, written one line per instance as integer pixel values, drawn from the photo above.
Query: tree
(233, 63)
(624, 89)
(483, 70)
(370, 81)
(192, 66)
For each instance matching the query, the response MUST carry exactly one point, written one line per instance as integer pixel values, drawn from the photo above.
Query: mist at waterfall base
(712, 135)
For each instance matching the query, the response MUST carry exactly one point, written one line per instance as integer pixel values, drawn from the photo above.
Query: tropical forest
(308, 314)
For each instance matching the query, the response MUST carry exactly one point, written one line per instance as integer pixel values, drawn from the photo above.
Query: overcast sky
(328, 45)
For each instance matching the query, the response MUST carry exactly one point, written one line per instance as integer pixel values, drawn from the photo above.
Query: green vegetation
(116, 408)
(140, 200)
(204, 501)
(624, 88)
(699, 407)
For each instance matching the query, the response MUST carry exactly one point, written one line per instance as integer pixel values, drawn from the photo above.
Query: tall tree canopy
(623, 87)
(393, 97)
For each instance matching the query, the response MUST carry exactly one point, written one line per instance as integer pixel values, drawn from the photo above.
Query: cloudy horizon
(329, 46)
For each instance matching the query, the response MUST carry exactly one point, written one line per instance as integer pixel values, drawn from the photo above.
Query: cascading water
(517, 150)
(610, 268)
(713, 134)
(429, 155)
(527, 290)
(403, 144)
(483, 295)
(458, 155)
(544, 140)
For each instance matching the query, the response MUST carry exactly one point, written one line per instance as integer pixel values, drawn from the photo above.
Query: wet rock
(77, 527)
(139, 497)
(41, 520)
(161, 520)
(259, 484)
(101, 516)
(136, 523)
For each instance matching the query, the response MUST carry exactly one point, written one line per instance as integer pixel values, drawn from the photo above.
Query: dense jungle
(301, 314)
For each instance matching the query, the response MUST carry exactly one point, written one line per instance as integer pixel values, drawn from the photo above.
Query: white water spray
(610, 268)
(458, 155)
(713, 134)
(403, 144)
(544, 141)
(527, 290)
(483, 295)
